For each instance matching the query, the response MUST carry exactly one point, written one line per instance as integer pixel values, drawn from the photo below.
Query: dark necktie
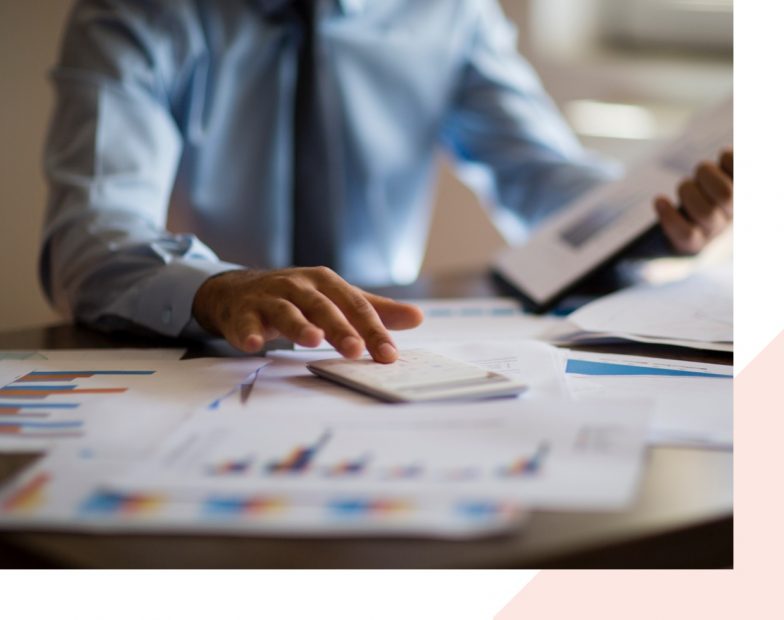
(313, 218)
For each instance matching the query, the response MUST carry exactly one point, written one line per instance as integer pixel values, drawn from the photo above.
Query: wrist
(210, 297)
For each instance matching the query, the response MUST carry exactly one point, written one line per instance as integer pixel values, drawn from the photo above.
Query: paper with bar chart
(540, 453)
(263, 447)
(69, 494)
(115, 407)
(692, 401)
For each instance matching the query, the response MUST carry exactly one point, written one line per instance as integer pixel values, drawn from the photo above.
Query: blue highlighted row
(42, 388)
(6, 405)
(586, 367)
(47, 425)
(472, 312)
(48, 373)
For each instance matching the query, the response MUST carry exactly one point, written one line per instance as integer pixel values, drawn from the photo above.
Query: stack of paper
(261, 446)
(296, 454)
(692, 401)
(115, 408)
(68, 493)
(695, 313)
(447, 470)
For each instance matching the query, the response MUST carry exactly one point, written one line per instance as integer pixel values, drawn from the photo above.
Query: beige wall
(29, 34)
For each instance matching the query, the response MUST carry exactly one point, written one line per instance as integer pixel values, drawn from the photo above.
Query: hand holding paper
(706, 203)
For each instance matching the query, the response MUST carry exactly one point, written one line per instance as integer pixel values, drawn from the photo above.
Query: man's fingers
(322, 312)
(715, 183)
(248, 308)
(699, 207)
(362, 315)
(686, 237)
(726, 162)
(289, 321)
(395, 314)
(246, 332)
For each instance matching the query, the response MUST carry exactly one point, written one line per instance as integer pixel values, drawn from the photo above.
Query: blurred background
(626, 73)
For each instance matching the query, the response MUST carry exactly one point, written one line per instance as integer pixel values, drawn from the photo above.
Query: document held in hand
(600, 225)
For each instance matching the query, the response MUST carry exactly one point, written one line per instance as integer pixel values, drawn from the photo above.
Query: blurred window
(704, 25)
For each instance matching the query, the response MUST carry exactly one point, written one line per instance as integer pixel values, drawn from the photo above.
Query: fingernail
(311, 335)
(387, 351)
(253, 343)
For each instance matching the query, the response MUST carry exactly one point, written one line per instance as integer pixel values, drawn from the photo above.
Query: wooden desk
(682, 517)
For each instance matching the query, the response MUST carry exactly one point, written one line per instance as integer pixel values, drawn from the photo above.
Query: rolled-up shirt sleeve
(503, 120)
(111, 158)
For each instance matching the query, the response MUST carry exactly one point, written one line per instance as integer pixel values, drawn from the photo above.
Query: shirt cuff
(168, 297)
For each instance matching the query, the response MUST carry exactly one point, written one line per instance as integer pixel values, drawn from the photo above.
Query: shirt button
(167, 315)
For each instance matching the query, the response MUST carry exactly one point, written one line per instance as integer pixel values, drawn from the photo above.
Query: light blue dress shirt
(177, 115)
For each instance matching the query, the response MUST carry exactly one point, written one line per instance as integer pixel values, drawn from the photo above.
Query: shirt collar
(352, 6)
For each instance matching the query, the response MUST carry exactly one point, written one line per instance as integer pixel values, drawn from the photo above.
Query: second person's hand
(305, 305)
(706, 201)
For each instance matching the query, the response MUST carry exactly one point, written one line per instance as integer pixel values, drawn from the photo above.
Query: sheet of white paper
(569, 334)
(599, 224)
(688, 410)
(449, 470)
(537, 453)
(66, 493)
(286, 379)
(106, 407)
(84, 355)
(698, 309)
(536, 364)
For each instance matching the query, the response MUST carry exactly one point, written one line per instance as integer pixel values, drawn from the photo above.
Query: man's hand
(305, 305)
(706, 199)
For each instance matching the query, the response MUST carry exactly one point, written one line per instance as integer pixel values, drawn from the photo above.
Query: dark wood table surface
(681, 518)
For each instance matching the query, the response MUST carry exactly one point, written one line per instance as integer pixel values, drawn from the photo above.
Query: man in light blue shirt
(190, 113)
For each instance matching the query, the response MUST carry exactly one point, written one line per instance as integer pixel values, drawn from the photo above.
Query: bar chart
(527, 466)
(45, 404)
(300, 459)
(109, 503)
(29, 496)
(230, 467)
(249, 506)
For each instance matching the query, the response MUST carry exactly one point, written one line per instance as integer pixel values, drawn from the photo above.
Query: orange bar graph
(257, 506)
(42, 393)
(54, 377)
(141, 504)
(29, 496)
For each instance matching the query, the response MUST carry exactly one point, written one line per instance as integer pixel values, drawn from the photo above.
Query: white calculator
(417, 376)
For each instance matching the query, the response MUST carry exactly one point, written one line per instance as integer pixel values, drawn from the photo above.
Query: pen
(246, 387)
